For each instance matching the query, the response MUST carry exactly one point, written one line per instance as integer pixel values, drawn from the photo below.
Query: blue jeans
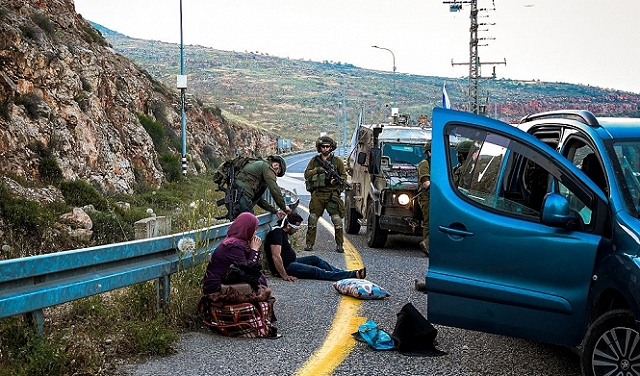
(313, 267)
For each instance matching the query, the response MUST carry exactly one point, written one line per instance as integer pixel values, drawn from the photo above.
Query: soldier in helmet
(462, 151)
(324, 178)
(254, 179)
(424, 177)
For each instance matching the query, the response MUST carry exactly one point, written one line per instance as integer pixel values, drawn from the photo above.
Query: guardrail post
(38, 318)
(164, 289)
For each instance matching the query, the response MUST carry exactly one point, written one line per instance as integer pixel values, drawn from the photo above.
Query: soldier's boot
(425, 248)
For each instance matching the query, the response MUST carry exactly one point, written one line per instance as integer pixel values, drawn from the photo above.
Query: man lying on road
(284, 263)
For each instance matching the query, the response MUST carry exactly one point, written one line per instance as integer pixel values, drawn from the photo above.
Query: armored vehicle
(383, 176)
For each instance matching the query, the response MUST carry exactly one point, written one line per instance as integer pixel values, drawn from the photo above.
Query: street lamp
(394, 72)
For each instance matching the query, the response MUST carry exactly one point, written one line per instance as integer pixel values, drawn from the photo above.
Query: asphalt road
(316, 322)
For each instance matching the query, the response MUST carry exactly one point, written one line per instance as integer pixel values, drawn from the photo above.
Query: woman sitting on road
(242, 246)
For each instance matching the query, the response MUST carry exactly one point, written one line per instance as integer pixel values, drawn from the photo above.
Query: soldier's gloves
(319, 170)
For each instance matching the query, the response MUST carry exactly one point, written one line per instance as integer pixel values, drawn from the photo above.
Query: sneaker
(425, 248)
(339, 249)
(308, 248)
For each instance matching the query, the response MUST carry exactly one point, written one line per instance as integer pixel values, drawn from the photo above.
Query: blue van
(539, 238)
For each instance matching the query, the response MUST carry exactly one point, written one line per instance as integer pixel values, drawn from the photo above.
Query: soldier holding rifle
(325, 178)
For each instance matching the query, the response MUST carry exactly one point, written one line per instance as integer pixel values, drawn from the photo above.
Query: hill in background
(297, 99)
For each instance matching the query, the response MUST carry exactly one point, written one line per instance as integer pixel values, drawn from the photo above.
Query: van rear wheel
(612, 345)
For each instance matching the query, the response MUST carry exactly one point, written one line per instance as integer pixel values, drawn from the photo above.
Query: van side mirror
(375, 157)
(556, 212)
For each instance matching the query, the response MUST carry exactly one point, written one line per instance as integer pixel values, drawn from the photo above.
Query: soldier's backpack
(226, 172)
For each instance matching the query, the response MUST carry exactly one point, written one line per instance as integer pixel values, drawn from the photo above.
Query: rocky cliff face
(63, 86)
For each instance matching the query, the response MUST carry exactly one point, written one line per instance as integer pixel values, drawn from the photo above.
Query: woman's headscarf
(242, 228)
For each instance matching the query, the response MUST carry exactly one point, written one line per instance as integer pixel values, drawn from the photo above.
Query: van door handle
(454, 231)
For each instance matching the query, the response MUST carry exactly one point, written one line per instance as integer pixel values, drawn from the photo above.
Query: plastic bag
(374, 336)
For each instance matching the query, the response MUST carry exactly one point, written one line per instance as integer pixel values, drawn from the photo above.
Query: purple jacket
(234, 248)
(223, 256)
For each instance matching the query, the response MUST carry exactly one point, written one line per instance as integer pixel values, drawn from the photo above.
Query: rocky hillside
(63, 89)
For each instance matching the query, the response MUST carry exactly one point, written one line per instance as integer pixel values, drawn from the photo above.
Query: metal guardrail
(30, 284)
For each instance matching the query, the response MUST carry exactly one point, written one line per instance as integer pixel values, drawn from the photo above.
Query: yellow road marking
(339, 342)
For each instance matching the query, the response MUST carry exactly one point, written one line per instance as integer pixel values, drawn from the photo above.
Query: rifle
(333, 174)
(421, 190)
(231, 196)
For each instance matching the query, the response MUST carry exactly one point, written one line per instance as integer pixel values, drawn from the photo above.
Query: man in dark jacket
(254, 179)
(284, 263)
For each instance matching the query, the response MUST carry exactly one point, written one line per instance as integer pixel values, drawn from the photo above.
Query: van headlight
(403, 199)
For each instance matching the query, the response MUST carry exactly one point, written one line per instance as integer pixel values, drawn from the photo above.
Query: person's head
(427, 149)
(243, 227)
(278, 164)
(462, 149)
(325, 145)
(291, 222)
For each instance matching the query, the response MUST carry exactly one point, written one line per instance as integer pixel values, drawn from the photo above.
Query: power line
(474, 62)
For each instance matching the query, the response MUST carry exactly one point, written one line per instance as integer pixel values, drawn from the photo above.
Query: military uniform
(254, 179)
(325, 196)
(462, 151)
(424, 174)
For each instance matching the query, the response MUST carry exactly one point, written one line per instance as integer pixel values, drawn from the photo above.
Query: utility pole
(181, 83)
(474, 59)
(344, 119)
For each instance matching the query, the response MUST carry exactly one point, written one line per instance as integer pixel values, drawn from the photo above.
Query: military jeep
(383, 175)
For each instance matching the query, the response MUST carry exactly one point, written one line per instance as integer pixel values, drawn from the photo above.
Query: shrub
(109, 228)
(150, 338)
(91, 35)
(155, 130)
(22, 214)
(80, 193)
(171, 165)
(49, 170)
(27, 353)
(43, 21)
(29, 32)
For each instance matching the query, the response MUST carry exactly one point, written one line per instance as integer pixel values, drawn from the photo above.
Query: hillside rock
(61, 84)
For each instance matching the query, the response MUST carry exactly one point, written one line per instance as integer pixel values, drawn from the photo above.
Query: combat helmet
(279, 159)
(325, 140)
(463, 148)
(427, 147)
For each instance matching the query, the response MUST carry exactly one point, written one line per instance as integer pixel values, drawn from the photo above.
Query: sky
(588, 42)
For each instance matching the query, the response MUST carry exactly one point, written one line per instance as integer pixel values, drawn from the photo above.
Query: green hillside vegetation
(297, 99)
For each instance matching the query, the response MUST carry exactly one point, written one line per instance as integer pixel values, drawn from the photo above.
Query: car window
(506, 176)
(627, 167)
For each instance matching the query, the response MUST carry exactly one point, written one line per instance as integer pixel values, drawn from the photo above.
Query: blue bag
(374, 336)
